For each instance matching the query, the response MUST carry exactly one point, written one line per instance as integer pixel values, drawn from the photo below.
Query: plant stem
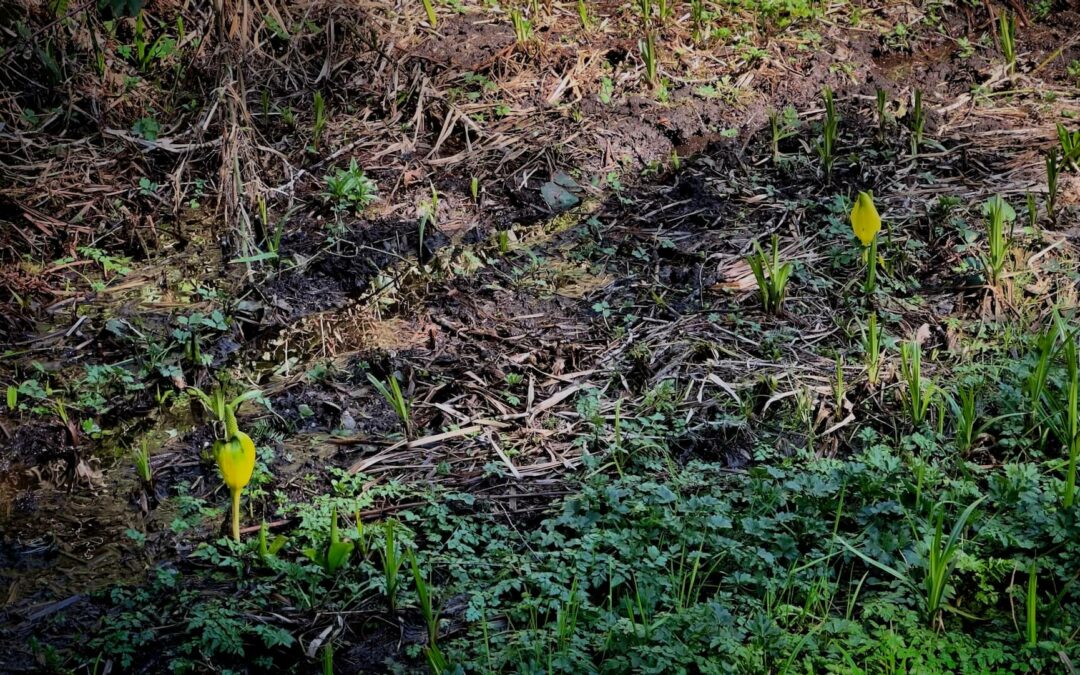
(236, 513)
(871, 266)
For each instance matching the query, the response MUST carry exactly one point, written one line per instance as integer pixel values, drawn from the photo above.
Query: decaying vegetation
(708, 336)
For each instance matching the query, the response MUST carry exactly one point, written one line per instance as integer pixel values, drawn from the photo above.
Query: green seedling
(781, 126)
(919, 390)
(474, 189)
(940, 561)
(141, 458)
(650, 57)
(871, 342)
(1071, 423)
(337, 551)
(350, 188)
(839, 386)
(319, 106)
(1035, 384)
(269, 549)
(700, 17)
(826, 146)
(772, 276)
(918, 122)
(617, 451)
(428, 214)
(1053, 170)
(664, 9)
(1007, 39)
(965, 416)
(140, 41)
(645, 12)
(429, 9)
(12, 397)
(328, 658)
(522, 27)
(583, 14)
(997, 212)
(1032, 212)
(391, 391)
(391, 564)
(1070, 146)
(424, 598)
(363, 536)
(882, 111)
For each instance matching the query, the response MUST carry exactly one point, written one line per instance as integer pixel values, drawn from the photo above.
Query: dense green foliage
(798, 564)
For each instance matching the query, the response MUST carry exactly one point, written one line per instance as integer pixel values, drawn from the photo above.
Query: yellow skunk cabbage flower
(235, 458)
(865, 219)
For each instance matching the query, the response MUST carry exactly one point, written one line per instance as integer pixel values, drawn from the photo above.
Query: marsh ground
(614, 459)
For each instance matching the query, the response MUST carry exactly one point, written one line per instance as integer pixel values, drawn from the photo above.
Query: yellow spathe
(236, 460)
(865, 220)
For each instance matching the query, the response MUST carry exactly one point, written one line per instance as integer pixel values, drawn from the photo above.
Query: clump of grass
(771, 275)
(1070, 146)
(940, 562)
(919, 391)
(700, 17)
(391, 391)
(965, 415)
(141, 458)
(1053, 170)
(522, 26)
(1035, 385)
(1007, 39)
(997, 212)
(650, 57)
(942, 559)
